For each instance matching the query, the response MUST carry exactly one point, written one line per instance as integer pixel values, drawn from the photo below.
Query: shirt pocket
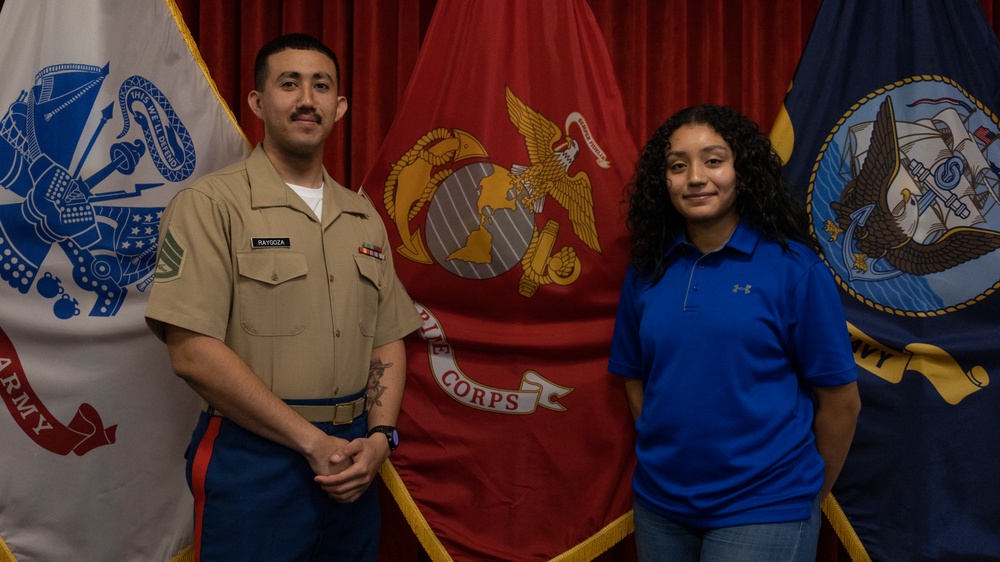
(369, 285)
(273, 299)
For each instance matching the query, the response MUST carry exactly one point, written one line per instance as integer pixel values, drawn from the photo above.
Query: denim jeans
(660, 540)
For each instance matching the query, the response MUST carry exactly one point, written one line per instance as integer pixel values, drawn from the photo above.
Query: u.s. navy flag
(500, 182)
(889, 130)
(107, 112)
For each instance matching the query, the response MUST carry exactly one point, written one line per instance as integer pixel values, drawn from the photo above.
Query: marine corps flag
(107, 111)
(500, 182)
(890, 134)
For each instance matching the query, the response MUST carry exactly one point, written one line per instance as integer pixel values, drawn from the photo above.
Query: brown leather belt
(337, 414)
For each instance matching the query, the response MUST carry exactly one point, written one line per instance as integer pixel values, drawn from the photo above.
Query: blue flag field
(889, 130)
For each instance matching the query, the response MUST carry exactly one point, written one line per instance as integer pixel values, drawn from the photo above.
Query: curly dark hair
(762, 196)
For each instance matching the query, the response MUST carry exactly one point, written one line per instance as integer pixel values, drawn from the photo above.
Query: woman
(733, 340)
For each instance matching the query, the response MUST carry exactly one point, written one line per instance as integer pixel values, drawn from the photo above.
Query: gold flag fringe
(598, 544)
(186, 555)
(420, 527)
(589, 549)
(5, 554)
(175, 12)
(845, 532)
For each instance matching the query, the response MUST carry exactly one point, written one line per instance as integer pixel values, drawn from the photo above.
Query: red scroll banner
(85, 431)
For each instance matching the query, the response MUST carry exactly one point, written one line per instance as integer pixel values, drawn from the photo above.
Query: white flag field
(108, 111)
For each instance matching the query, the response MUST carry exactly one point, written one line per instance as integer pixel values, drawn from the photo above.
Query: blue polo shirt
(727, 345)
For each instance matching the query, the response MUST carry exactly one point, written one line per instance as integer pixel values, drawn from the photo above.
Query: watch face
(391, 435)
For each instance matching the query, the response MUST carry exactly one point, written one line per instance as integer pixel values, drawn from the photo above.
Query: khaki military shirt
(244, 260)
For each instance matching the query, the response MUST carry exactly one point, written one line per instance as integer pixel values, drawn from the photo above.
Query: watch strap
(391, 435)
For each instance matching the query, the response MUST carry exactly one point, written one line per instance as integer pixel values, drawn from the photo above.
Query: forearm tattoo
(375, 389)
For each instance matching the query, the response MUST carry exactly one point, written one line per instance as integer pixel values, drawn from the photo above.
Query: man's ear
(253, 100)
(341, 107)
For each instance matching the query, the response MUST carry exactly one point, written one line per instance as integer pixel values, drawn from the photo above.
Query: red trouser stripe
(199, 471)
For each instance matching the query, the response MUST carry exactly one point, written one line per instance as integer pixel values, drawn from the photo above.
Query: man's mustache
(307, 113)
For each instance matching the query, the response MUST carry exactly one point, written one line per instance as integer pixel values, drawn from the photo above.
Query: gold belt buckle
(345, 413)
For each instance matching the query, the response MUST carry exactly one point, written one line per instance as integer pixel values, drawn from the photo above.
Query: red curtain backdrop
(668, 54)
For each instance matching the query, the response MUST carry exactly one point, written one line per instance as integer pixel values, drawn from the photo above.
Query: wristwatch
(390, 434)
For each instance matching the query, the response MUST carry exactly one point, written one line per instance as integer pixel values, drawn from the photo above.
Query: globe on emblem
(475, 227)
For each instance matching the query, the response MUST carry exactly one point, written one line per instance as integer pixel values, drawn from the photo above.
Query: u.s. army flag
(107, 112)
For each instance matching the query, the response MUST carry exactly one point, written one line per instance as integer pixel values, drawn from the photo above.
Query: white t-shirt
(312, 197)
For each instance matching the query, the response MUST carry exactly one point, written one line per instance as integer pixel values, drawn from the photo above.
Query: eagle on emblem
(548, 173)
(892, 214)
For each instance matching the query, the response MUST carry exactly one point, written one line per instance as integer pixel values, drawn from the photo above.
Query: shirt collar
(267, 189)
(743, 239)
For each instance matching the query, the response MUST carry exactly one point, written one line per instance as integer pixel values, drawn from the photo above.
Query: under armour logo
(745, 289)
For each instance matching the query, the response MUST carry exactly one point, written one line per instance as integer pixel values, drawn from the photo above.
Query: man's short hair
(299, 41)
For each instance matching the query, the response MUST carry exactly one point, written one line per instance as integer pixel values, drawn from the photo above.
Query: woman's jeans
(658, 539)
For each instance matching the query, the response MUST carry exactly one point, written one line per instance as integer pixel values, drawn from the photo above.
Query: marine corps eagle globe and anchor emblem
(480, 219)
(905, 202)
(480, 222)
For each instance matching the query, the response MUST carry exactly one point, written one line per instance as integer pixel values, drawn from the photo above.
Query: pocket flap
(370, 269)
(272, 268)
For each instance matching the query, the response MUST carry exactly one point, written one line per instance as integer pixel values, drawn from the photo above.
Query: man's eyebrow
(297, 75)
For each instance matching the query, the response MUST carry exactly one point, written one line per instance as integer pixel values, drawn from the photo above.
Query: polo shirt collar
(267, 189)
(744, 239)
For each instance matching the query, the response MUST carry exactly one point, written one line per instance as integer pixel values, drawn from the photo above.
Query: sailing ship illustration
(920, 197)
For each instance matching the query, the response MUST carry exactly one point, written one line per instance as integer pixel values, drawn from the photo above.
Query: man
(276, 296)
